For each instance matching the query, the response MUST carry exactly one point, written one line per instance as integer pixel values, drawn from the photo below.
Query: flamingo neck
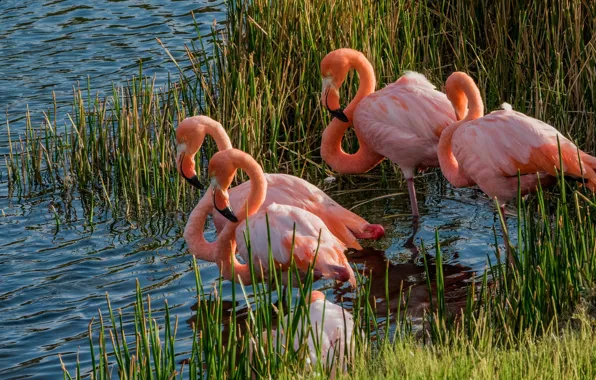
(365, 158)
(447, 160)
(216, 131)
(229, 266)
(461, 91)
(193, 232)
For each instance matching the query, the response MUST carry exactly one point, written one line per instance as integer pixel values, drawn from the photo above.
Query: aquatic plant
(262, 82)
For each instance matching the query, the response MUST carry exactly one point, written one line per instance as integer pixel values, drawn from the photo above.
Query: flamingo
(332, 328)
(402, 121)
(285, 230)
(505, 149)
(281, 189)
(490, 150)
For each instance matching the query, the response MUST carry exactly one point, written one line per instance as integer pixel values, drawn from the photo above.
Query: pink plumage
(402, 121)
(490, 150)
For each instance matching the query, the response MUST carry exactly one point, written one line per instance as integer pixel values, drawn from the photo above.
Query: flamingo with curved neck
(365, 157)
(282, 189)
(402, 121)
(505, 152)
(462, 93)
(285, 230)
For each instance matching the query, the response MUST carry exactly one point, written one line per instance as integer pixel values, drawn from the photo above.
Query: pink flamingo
(490, 151)
(281, 189)
(332, 328)
(504, 148)
(402, 121)
(288, 231)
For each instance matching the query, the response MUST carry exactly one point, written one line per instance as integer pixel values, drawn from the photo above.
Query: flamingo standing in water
(504, 149)
(285, 230)
(490, 150)
(332, 327)
(281, 189)
(402, 121)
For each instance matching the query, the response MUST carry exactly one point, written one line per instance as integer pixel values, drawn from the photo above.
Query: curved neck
(230, 268)
(448, 162)
(365, 158)
(463, 93)
(194, 231)
(216, 131)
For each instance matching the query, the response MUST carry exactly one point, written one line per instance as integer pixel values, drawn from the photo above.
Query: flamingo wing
(404, 120)
(311, 238)
(504, 142)
(294, 191)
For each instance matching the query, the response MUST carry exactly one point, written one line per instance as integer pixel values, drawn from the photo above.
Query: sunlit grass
(261, 80)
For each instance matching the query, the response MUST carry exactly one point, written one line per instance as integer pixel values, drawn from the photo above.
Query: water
(53, 279)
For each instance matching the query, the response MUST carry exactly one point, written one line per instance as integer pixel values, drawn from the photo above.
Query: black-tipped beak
(339, 113)
(194, 180)
(227, 212)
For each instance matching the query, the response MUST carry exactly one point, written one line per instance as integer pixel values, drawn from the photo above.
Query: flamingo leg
(413, 201)
(409, 244)
(510, 257)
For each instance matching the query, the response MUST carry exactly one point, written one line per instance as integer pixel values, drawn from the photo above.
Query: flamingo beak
(329, 90)
(185, 164)
(221, 197)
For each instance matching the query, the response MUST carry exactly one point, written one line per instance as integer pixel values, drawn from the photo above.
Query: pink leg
(413, 201)
(510, 258)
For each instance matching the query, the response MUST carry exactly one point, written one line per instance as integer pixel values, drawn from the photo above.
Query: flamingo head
(222, 171)
(316, 295)
(455, 94)
(190, 135)
(334, 70)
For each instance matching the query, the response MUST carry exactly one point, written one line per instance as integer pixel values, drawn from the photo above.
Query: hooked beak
(339, 113)
(193, 180)
(227, 211)
(328, 87)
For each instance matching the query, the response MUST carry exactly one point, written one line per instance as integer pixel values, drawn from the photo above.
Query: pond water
(53, 279)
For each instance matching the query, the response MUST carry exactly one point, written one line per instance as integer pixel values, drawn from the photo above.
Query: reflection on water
(54, 279)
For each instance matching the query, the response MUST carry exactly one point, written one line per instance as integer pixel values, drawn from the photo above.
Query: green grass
(569, 355)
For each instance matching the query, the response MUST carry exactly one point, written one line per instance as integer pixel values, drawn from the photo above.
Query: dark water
(54, 279)
(53, 45)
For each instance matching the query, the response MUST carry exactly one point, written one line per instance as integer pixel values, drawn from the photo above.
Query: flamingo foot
(371, 231)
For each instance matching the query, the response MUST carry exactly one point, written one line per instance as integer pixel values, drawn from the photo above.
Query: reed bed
(260, 79)
(546, 303)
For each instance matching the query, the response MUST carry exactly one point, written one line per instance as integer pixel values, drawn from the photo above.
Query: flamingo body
(283, 189)
(304, 244)
(291, 231)
(491, 150)
(293, 191)
(332, 327)
(403, 122)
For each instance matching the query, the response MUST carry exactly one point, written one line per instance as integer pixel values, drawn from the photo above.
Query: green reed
(262, 81)
(227, 343)
(548, 294)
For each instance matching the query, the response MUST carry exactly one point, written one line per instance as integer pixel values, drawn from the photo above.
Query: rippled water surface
(53, 278)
